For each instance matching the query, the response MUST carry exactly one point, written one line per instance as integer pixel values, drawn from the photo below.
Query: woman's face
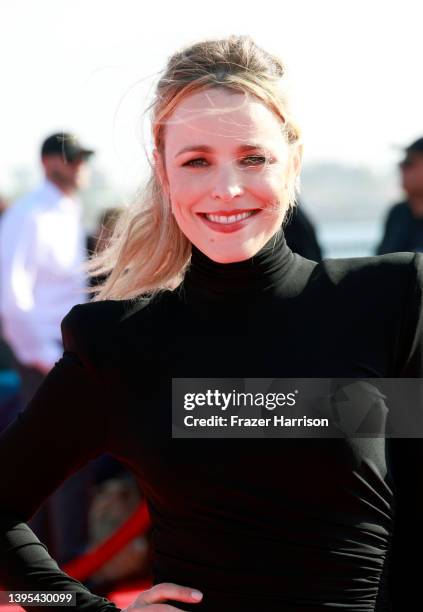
(226, 167)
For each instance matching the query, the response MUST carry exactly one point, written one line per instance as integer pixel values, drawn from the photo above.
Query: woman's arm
(61, 430)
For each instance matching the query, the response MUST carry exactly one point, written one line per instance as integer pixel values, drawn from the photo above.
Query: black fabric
(300, 235)
(403, 231)
(287, 525)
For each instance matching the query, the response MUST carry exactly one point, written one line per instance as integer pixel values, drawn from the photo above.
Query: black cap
(65, 144)
(415, 147)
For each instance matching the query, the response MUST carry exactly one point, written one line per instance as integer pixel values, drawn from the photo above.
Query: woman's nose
(227, 184)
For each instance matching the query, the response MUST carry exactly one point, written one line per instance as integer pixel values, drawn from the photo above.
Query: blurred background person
(41, 256)
(104, 230)
(9, 379)
(97, 241)
(42, 250)
(301, 236)
(10, 401)
(404, 223)
(3, 205)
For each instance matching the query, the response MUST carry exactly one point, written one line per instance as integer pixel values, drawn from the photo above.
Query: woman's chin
(222, 255)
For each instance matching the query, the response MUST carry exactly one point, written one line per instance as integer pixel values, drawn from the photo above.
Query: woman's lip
(228, 213)
(229, 227)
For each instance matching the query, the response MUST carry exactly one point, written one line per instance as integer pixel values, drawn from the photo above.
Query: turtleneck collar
(264, 274)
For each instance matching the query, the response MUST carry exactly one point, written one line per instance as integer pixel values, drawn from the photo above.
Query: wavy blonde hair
(147, 251)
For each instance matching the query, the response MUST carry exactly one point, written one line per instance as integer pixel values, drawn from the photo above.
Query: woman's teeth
(231, 219)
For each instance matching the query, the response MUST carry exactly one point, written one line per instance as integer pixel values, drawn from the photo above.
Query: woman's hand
(162, 592)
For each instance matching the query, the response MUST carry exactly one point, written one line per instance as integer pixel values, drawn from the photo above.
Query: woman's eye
(198, 162)
(254, 160)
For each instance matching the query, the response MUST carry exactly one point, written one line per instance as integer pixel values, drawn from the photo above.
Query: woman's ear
(160, 170)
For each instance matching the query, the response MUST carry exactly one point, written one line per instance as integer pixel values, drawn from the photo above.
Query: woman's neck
(261, 275)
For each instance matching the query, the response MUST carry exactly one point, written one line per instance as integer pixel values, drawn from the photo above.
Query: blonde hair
(148, 252)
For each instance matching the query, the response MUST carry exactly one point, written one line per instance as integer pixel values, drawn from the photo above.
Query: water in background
(349, 239)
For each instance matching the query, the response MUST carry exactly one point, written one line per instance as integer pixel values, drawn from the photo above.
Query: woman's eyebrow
(250, 147)
(207, 149)
(202, 148)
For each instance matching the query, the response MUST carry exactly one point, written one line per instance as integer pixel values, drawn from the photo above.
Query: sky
(89, 66)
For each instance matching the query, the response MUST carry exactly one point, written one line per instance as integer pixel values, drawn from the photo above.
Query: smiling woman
(226, 145)
(257, 525)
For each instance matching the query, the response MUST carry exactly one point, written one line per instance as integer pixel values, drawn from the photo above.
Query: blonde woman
(201, 284)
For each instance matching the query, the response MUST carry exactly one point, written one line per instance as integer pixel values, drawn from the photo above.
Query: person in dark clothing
(404, 223)
(104, 230)
(97, 241)
(9, 385)
(300, 235)
(275, 525)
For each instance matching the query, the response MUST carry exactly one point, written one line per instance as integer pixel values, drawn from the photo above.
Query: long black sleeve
(60, 431)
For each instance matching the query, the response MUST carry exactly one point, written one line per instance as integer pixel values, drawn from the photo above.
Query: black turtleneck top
(286, 525)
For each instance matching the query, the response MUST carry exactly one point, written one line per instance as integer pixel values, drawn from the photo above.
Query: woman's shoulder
(393, 269)
(96, 329)
(101, 315)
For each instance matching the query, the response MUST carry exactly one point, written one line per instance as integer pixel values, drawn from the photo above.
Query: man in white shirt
(42, 249)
